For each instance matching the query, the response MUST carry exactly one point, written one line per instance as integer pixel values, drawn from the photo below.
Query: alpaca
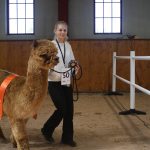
(24, 95)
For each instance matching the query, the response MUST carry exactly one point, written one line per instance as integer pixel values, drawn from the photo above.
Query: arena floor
(97, 125)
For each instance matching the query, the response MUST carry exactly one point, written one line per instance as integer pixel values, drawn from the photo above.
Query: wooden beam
(63, 10)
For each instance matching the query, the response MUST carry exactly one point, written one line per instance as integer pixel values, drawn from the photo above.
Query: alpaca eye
(46, 58)
(43, 55)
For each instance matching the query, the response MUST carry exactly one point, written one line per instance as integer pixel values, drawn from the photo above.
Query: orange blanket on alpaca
(3, 87)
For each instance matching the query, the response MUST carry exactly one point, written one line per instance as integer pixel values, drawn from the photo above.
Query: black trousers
(62, 97)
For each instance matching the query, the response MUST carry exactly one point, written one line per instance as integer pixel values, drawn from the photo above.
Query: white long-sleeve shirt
(54, 76)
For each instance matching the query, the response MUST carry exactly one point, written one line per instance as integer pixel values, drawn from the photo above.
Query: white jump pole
(114, 73)
(132, 80)
(132, 88)
(113, 88)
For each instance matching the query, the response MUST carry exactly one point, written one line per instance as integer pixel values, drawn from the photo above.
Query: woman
(60, 90)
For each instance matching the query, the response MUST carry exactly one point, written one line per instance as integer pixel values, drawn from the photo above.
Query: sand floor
(97, 125)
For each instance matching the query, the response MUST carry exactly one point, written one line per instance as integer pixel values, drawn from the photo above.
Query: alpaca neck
(36, 77)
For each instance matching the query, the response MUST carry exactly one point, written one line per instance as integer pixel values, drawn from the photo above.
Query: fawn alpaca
(24, 95)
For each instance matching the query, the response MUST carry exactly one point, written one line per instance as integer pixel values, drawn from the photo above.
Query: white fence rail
(132, 83)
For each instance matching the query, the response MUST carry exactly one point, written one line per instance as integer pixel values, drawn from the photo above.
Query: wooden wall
(95, 57)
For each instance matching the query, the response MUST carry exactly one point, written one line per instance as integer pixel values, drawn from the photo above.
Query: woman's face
(61, 32)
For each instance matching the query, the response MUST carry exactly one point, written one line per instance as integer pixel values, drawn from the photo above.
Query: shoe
(70, 143)
(47, 137)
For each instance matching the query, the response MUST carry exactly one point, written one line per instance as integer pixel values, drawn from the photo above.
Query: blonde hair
(60, 23)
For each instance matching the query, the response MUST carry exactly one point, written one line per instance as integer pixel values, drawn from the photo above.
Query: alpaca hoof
(3, 140)
(14, 145)
(13, 141)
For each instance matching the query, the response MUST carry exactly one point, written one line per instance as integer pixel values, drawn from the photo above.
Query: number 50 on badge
(65, 77)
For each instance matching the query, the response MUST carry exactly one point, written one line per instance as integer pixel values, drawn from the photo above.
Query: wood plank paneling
(14, 56)
(95, 57)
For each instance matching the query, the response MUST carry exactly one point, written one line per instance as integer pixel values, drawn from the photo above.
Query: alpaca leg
(18, 129)
(13, 141)
(2, 137)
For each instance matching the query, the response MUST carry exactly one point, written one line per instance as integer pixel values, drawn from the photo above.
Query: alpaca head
(44, 53)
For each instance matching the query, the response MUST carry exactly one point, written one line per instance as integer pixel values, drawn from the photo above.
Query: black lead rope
(74, 80)
(61, 71)
(75, 87)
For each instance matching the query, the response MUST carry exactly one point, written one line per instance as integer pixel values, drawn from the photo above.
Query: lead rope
(74, 82)
(74, 79)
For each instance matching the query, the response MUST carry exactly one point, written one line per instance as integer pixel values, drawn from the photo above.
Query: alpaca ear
(35, 43)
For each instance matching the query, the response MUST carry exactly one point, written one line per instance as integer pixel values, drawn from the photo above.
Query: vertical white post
(114, 73)
(132, 80)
